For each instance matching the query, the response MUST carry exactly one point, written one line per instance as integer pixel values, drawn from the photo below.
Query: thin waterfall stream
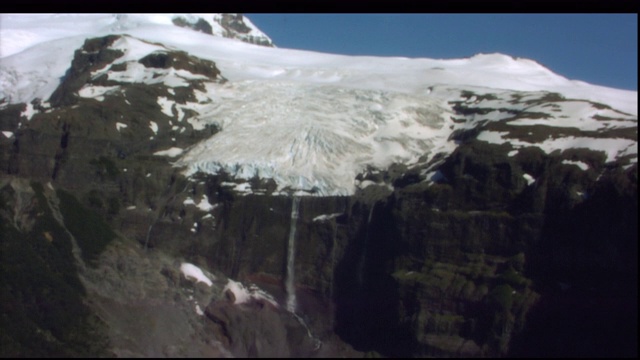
(364, 252)
(333, 266)
(289, 283)
(290, 280)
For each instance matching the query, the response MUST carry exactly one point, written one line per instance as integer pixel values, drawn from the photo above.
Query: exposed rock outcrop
(471, 254)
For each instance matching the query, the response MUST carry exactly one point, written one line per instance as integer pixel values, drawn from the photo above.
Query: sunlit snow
(171, 152)
(243, 294)
(326, 217)
(28, 112)
(579, 164)
(154, 126)
(96, 91)
(191, 271)
(203, 205)
(612, 148)
(308, 120)
(530, 180)
(199, 310)
(166, 105)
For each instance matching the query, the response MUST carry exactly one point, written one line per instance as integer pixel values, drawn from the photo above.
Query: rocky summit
(174, 185)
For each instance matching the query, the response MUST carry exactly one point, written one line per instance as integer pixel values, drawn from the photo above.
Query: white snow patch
(365, 183)
(154, 127)
(434, 176)
(613, 148)
(530, 180)
(579, 164)
(243, 294)
(171, 152)
(196, 123)
(7, 134)
(166, 105)
(29, 111)
(203, 205)
(198, 310)
(92, 91)
(120, 126)
(577, 114)
(326, 217)
(242, 187)
(191, 271)
(132, 207)
(180, 112)
(492, 137)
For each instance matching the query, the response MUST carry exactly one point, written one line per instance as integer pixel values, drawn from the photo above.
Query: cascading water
(364, 251)
(333, 267)
(146, 240)
(289, 284)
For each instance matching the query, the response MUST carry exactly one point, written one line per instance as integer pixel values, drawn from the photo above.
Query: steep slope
(466, 203)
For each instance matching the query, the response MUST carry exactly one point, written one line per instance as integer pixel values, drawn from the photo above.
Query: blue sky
(597, 48)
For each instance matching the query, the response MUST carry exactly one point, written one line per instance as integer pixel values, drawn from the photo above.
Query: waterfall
(333, 270)
(289, 284)
(146, 241)
(364, 251)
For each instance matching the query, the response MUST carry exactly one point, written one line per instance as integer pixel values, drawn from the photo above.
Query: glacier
(310, 121)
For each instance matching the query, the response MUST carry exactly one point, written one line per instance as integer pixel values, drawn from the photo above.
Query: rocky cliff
(496, 249)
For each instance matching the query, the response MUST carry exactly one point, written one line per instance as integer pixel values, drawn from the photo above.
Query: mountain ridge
(299, 79)
(239, 200)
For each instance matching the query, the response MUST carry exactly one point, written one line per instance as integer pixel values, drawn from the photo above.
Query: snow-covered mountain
(311, 121)
(171, 187)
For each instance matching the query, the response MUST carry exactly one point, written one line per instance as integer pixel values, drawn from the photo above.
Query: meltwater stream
(289, 284)
(361, 263)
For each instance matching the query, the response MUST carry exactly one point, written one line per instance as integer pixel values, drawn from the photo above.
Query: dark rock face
(93, 55)
(233, 25)
(236, 28)
(455, 267)
(200, 25)
(43, 309)
(181, 60)
(235, 22)
(258, 329)
(474, 261)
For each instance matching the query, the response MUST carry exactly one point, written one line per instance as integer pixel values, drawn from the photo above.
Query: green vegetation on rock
(105, 168)
(90, 231)
(42, 313)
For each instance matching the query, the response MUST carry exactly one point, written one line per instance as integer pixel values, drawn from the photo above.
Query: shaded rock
(258, 329)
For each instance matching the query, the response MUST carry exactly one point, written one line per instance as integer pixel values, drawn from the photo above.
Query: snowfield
(308, 120)
(191, 271)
